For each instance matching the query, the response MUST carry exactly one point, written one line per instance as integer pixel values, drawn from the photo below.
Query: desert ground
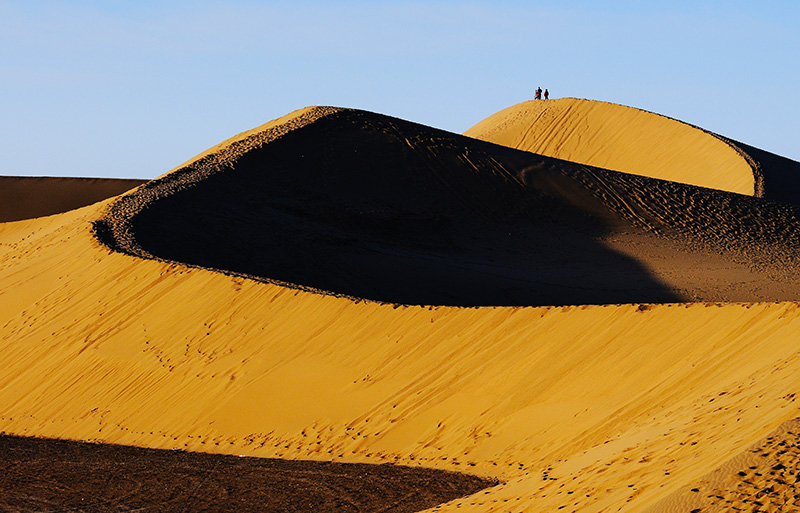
(574, 305)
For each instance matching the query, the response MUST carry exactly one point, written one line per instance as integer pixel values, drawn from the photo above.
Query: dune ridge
(108, 335)
(373, 207)
(635, 141)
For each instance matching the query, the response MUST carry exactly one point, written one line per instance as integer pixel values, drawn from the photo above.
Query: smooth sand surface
(605, 407)
(625, 139)
(23, 197)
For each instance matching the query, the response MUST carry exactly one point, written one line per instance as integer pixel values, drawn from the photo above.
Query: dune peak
(624, 139)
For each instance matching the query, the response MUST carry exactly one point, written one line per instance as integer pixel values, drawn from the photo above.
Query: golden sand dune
(29, 197)
(635, 141)
(187, 314)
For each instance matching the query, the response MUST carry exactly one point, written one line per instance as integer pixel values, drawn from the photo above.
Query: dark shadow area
(56, 475)
(23, 197)
(375, 207)
(781, 176)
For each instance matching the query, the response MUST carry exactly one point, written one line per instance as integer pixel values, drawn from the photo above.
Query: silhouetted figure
(538, 93)
(546, 94)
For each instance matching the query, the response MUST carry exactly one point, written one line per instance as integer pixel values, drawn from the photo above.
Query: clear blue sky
(134, 88)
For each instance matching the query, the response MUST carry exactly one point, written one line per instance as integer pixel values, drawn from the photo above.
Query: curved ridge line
(758, 175)
(118, 233)
(114, 228)
(759, 189)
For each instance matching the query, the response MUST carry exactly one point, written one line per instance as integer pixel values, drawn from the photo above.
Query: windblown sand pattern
(635, 141)
(374, 207)
(765, 477)
(339, 285)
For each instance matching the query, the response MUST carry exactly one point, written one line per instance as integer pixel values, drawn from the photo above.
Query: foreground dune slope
(635, 141)
(593, 408)
(763, 477)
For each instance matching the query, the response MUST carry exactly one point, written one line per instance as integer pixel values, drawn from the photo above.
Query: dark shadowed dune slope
(374, 207)
(780, 176)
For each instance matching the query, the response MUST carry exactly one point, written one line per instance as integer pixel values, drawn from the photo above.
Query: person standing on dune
(538, 95)
(546, 94)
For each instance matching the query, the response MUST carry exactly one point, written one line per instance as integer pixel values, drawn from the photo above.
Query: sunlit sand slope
(586, 406)
(762, 478)
(635, 141)
(28, 197)
(589, 408)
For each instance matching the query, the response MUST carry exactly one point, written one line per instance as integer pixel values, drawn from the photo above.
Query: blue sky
(134, 88)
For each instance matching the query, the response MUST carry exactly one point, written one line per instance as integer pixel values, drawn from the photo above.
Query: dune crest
(373, 207)
(624, 139)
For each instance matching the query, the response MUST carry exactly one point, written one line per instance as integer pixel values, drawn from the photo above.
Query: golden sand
(621, 138)
(611, 407)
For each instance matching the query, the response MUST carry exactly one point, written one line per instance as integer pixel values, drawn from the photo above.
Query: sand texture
(87, 477)
(763, 478)
(634, 141)
(343, 286)
(375, 207)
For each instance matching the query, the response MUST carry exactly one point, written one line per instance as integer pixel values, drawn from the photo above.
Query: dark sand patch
(23, 197)
(47, 475)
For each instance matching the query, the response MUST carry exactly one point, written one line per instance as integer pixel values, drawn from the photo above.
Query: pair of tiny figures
(539, 94)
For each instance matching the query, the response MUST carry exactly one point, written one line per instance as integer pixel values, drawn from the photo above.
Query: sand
(56, 475)
(401, 213)
(631, 140)
(596, 340)
(29, 197)
(764, 477)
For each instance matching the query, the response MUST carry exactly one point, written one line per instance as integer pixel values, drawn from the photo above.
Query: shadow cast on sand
(374, 207)
(40, 475)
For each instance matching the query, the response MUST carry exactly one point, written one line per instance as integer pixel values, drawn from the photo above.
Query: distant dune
(339, 285)
(635, 141)
(24, 197)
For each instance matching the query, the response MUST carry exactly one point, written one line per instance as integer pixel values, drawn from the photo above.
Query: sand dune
(188, 313)
(634, 141)
(30, 197)
(397, 212)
